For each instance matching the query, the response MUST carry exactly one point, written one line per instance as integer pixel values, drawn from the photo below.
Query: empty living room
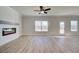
(39, 29)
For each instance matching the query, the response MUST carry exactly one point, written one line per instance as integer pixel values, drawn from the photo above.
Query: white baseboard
(46, 35)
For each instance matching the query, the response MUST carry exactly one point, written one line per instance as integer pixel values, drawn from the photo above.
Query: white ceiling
(55, 10)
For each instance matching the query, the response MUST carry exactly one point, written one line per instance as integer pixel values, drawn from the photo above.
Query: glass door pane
(74, 25)
(62, 27)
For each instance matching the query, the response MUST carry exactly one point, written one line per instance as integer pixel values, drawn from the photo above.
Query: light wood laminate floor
(42, 44)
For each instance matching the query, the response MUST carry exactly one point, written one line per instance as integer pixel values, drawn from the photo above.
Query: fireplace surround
(8, 28)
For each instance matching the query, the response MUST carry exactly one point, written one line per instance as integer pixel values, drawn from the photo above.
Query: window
(41, 26)
(74, 25)
(62, 27)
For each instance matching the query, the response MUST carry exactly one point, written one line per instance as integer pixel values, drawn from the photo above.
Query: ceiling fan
(43, 10)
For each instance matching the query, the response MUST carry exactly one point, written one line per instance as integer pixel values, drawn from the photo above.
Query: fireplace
(8, 31)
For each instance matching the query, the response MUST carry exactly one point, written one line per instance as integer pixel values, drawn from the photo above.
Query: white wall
(8, 14)
(53, 21)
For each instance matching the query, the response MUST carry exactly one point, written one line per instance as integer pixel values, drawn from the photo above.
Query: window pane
(37, 25)
(44, 28)
(74, 25)
(61, 27)
(37, 28)
(44, 25)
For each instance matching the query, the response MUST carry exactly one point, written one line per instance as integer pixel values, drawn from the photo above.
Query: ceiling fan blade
(47, 9)
(41, 8)
(45, 12)
(37, 10)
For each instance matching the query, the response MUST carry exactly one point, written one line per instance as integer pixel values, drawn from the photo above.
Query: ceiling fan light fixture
(42, 12)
